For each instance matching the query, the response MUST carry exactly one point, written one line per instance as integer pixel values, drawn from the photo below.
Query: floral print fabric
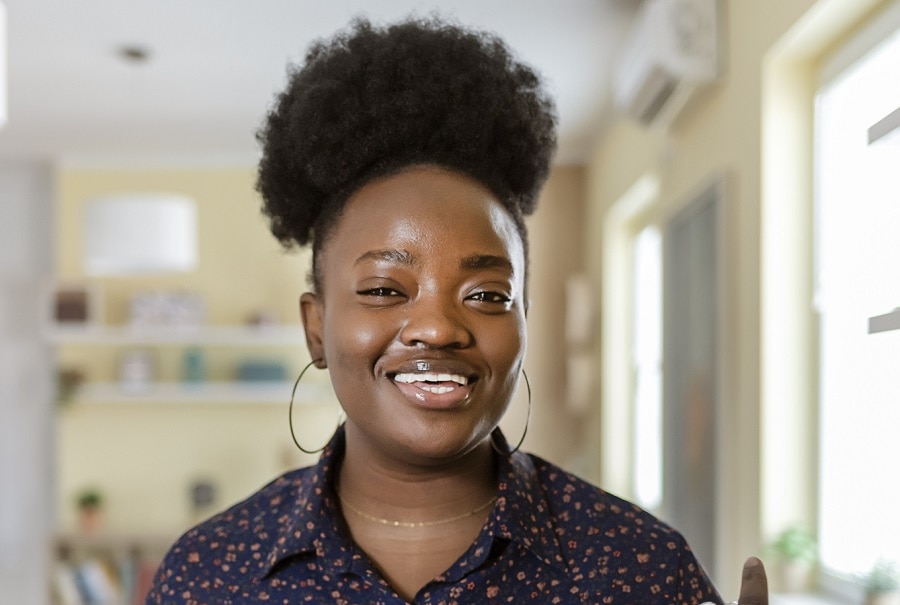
(550, 538)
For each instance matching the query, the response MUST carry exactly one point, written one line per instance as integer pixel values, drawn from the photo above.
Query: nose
(436, 323)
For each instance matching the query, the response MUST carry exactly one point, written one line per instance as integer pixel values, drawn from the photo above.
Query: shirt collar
(522, 513)
(312, 524)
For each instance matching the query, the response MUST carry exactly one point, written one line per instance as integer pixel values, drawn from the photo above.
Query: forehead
(434, 213)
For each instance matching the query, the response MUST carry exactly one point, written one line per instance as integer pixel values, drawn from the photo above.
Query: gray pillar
(26, 384)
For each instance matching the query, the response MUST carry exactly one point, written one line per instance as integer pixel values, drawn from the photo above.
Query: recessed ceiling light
(134, 54)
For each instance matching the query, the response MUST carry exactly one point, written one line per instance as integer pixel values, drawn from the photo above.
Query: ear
(311, 314)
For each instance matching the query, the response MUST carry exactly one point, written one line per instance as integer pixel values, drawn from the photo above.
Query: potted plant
(796, 553)
(882, 584)
(90, 510)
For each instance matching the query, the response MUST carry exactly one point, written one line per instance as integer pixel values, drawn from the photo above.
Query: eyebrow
(474, 262)
(401, 257)
(486, 261)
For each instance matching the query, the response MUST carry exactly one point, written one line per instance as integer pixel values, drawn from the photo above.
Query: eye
(380, 292)
(492, 298)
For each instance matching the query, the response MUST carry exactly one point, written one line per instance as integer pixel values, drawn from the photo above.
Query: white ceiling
(215, 66)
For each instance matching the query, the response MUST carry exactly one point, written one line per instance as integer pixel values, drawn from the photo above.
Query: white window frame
(833, 67)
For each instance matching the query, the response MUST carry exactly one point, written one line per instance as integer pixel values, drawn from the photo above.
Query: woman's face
(421, 316)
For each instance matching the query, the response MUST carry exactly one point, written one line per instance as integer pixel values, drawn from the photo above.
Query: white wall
(26, 413)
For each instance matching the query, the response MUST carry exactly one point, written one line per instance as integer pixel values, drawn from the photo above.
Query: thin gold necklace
(393, 523)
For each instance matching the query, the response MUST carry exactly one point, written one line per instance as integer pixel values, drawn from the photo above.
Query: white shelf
(116, 542)
(205, 393)
(200, 336)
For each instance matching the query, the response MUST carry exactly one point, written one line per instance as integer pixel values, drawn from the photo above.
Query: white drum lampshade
(139, 234)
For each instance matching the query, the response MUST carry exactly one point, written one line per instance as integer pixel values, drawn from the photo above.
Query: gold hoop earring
(291, 412)
(527, 421)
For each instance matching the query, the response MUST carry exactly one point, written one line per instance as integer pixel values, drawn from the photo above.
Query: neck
(390, 489)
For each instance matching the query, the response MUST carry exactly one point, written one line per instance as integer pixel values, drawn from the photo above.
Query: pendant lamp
(139, 234)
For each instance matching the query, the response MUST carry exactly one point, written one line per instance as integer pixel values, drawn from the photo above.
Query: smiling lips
(433, 383)
(435, 390)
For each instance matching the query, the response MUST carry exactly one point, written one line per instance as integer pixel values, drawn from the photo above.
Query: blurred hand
(754, 585)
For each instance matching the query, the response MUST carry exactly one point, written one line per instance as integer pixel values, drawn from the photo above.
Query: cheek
(508, 345)
(352, 341)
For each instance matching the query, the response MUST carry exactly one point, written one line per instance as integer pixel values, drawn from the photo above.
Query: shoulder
(574, 499)
(618, 547)
(582, 511)
(232, 546)
(257, 511)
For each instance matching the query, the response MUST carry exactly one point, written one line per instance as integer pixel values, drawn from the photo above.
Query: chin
(439, 444)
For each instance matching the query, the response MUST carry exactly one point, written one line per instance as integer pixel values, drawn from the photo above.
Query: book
(96, 583)
(66, 589)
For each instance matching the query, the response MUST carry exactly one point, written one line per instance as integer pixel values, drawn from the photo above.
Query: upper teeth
(431, 377)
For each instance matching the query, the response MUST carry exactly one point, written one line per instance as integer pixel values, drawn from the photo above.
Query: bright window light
(647, 364)
(858, 277)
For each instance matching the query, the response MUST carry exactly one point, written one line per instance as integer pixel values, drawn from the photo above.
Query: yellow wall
(241, 266)
(144, 456)
(556, 236)
(722, 133)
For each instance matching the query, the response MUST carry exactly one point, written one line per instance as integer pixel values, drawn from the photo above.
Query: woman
(408, 157)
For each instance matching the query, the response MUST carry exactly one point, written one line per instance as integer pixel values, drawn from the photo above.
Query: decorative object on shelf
(145, 374)
(796, 553)
(72, 304)
(263, 318)
(193, 366)
(258, 370)
(134, 234)
(136, 370)
(90, 510)
(67, 382)
(203, 499)
(167, 309)
(882, 584)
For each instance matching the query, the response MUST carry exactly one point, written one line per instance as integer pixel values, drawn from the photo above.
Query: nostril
(437, 343)
(435, 334)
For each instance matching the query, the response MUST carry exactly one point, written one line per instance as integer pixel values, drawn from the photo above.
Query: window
(647, 367)
(857, 210)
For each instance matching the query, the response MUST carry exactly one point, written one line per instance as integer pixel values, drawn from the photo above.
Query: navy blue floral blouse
(550, 538)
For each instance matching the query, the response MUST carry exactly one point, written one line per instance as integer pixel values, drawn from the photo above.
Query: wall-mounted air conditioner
(672, 50)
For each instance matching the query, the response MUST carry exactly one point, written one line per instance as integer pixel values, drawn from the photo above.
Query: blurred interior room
(714, 329)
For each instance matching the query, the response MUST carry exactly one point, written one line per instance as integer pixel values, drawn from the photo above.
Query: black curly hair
(372, 101)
